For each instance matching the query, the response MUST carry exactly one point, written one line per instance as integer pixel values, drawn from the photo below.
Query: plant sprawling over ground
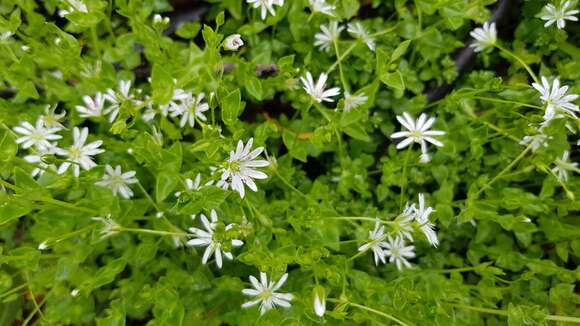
(299, 162)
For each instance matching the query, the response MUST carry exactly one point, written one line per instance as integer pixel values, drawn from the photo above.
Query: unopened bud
(233, 42)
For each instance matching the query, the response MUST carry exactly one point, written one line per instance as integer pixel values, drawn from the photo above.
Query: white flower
(265, 293)
(376, 242)
(118, 181)
(110, 227)
(50, 119)
(536, 141)
(240, 169)
(179, 95)
(38, 136)
(559, 15)
(398, 253)
(422, 217)
(418, 132)
(319, 301)
(328, 35)
(563, 165)
(316, 91)
(265, 6)
(556, 99)
(485, 37)
(322, 7)
(38, 159)
(75, 293)
(402, 224)
(206, 238)
(93, 106)
(158, 19)
(43, 245)
(116, 99)
(358, 30)
(233, 42)
(354, 101)
(73, 6)
(190, 108)
(79, 154)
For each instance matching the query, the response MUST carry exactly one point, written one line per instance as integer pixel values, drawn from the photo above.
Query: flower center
(74, 153)
(266, 294)
(37, 135)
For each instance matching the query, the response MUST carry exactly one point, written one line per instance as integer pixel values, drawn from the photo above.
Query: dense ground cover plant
(295, 162)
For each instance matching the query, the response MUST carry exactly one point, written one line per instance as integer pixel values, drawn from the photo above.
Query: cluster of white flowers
(329, 34)
(39, 138)
(394, 248)
(418, 132)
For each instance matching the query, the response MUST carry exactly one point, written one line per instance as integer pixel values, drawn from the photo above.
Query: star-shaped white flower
(93, 107)
(207, 239)
(322, 7)
(117, 98)
(354, 101)
(265, 293)
(240, 168)
(316, 90)
(110, 227)
(418, 132)
(556, 100)
(266, 6)
(563, 165)
(398, 252)
(118, 181)
(38, 135)
(327, 36)
(358, 31)
(559, 15)
(422, 217)
(485, 37)
(78, 154)
(190, 108)
(50, 119)
(376, 243)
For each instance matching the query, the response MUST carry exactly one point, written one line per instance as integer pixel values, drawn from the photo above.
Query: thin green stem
(570, 319)
(404, 177)
(342, 78)
(456, 270)
(491, 99)
(380, 313)
(289, 185)
(513, 55)
(14, 290)
(341, 58)
(505, 170)
(357, 218)
(148, 231)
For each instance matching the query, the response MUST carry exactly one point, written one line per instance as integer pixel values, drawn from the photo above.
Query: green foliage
(169, 103)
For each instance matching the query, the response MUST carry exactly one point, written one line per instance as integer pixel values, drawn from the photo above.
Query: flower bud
(319, 300)
(233, 42)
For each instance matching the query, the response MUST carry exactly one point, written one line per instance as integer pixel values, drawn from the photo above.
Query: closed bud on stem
(319, 300)
(233, 42)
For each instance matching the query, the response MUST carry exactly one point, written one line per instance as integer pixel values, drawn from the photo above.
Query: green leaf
(188, 30)
(162, 85)
(357, 131)
(8, 146)
(11, 209)
(400, 50)
(394, 80)
(231, 107)
(254, 87)
(166, 183)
